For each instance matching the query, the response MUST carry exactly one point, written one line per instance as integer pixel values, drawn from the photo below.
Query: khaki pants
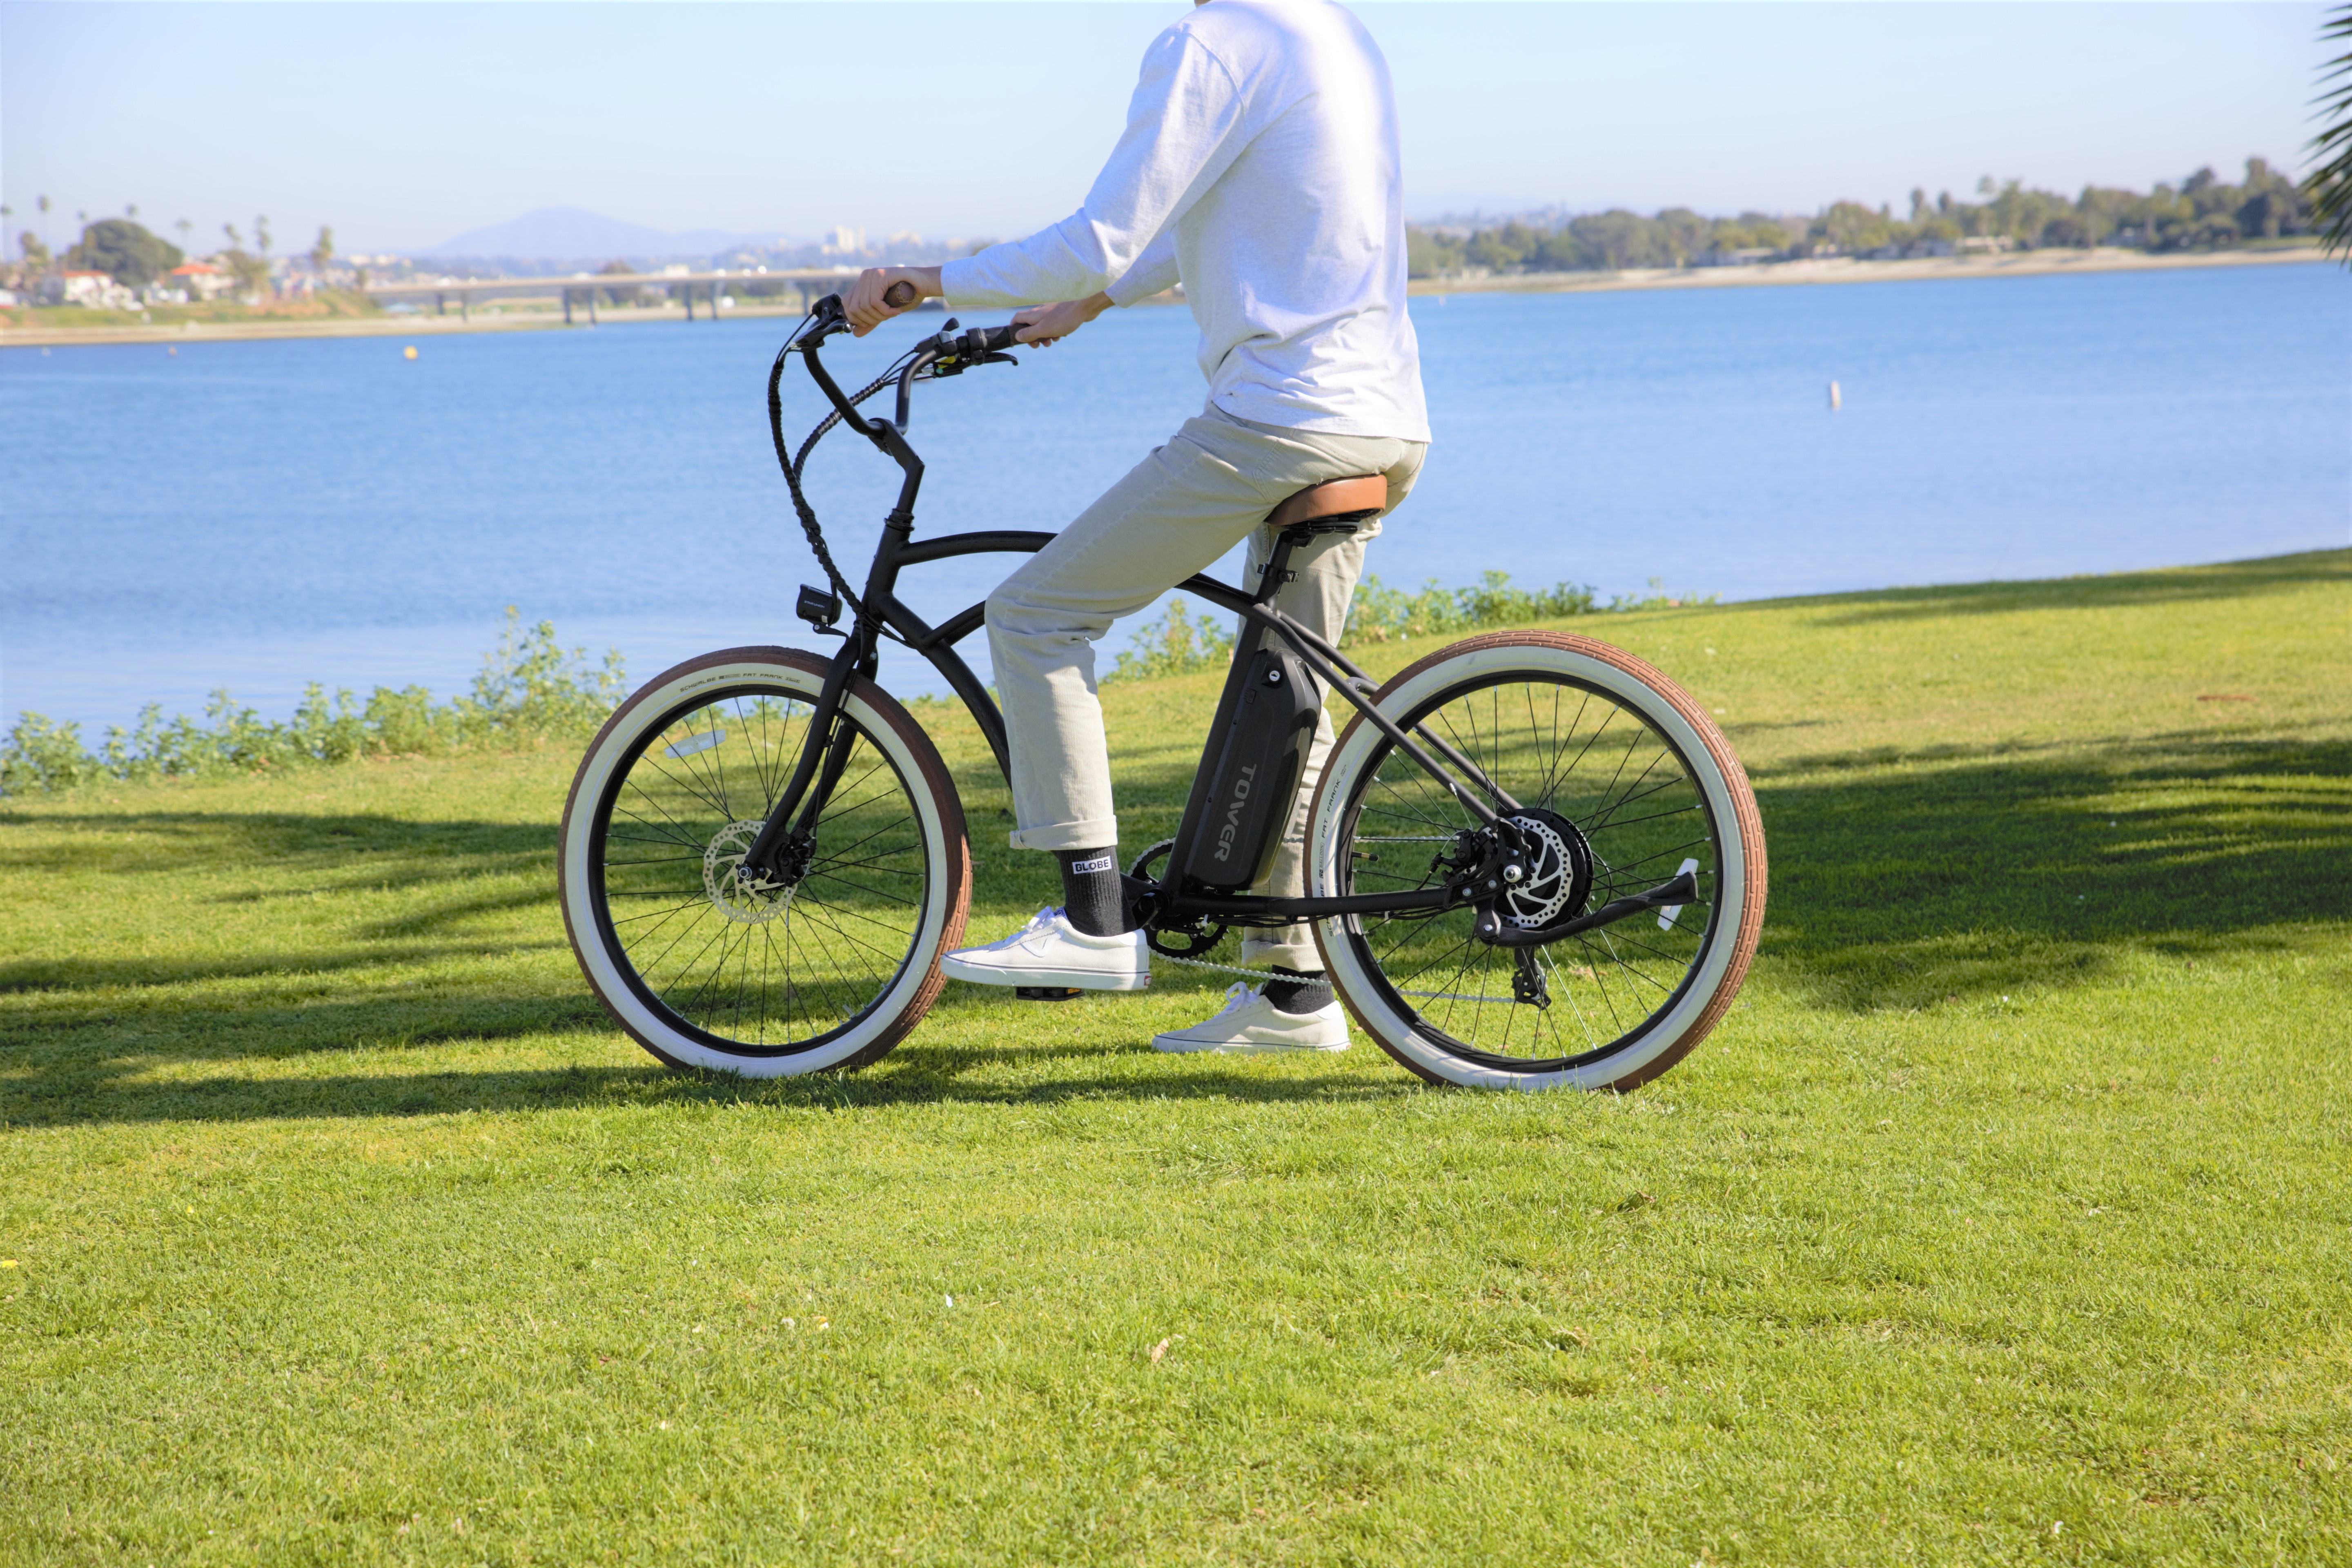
(1174, 514)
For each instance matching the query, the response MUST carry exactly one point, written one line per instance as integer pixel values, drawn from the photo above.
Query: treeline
(138, 258)
(2202, 213)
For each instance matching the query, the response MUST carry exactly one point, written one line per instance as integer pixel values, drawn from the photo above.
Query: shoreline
(1778, 274)
(1850, 269)
(420, 326)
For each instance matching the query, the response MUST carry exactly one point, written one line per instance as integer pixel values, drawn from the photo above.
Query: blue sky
(404, 124)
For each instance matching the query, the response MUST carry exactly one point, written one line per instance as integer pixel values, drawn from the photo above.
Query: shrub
(1175, 644)
(41, 754)
(1383, 615)
(529, 688)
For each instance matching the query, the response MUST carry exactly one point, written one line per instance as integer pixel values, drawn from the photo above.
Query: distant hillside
(574, 234)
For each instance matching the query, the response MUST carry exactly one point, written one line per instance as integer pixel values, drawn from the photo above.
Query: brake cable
(792, 463)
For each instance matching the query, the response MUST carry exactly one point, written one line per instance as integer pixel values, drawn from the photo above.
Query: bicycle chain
(1258, 975)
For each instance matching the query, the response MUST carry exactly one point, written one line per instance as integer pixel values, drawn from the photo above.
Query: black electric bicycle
(1532, 860)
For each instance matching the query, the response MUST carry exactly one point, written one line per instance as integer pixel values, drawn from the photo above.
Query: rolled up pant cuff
(1070, 834)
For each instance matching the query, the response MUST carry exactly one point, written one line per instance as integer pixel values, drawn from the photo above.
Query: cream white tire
(908, 992)
(1737, 909)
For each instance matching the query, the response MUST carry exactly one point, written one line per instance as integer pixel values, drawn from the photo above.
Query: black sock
(1091, 895)
(1298, 991)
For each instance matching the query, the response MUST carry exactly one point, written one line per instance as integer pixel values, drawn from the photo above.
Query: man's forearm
(1043, 269)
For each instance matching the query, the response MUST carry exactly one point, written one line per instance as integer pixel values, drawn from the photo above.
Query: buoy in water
(173, 351)
(1835, 401)
(408, 352)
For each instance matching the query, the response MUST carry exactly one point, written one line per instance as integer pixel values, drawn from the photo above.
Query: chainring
(1193, 939)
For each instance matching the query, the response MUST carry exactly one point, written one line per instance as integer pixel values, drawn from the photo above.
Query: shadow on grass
(2231, 580)
(307, 856)
(102, 1087)
(1908, 886)
(1896, 883)
(357, 848)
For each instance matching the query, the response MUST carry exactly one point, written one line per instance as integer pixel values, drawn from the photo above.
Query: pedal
(1044, 994)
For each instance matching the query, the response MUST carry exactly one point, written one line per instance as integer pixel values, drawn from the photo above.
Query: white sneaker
(1050, 952)
(1250, 1024)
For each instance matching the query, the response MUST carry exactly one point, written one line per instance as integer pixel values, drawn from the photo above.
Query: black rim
(1563, 746)
(744, 973)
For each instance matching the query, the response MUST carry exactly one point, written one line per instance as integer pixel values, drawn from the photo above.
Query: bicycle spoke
(1558, 746)
(765, 968)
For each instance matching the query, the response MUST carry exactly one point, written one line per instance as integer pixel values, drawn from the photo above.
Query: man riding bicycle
(1258, 167)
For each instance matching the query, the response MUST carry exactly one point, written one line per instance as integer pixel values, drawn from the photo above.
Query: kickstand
(1527, 981)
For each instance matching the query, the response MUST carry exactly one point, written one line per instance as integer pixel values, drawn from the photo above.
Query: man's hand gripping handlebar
(882, 292)
(943, 353)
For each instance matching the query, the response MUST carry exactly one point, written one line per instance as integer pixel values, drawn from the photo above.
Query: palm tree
(2329, 186)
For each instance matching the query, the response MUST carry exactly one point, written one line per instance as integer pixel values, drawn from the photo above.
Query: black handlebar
(943, 353)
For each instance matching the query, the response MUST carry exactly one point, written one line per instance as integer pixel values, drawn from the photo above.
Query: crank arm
(1491, 930)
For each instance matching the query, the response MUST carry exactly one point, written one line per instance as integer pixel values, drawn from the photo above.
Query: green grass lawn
(2008, 1217)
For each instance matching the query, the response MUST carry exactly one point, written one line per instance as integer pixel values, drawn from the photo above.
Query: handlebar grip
(996, 339)
(900, 295)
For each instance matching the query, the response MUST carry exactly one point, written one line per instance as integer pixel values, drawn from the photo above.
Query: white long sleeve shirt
(1259, 166)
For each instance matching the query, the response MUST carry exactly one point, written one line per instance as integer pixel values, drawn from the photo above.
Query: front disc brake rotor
(741, 899)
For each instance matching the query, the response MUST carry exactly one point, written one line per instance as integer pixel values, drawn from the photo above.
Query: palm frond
(2329, 186)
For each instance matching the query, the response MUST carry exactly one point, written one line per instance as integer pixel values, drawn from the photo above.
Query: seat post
(1277, 563)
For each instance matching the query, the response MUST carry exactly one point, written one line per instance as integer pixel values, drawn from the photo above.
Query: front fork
(779, 856)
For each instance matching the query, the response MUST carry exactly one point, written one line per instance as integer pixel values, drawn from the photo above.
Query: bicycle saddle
(1335, 506)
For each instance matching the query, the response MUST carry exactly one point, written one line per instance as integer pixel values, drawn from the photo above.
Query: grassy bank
(2005, 1220)
(325, 306)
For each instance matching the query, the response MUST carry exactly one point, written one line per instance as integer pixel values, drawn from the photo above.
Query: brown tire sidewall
(939, 807)
(1730, 795)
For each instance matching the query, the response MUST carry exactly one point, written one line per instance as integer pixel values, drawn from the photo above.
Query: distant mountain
(572, 233)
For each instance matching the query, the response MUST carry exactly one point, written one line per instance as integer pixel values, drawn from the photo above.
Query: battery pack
(1255, 783)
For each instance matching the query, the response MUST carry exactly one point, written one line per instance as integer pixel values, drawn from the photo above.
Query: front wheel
(702, 971)
(1624, 783)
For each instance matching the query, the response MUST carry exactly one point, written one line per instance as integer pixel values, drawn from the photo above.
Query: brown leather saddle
(1335, 506)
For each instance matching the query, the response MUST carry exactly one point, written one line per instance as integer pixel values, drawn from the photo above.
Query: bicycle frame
(784, 837)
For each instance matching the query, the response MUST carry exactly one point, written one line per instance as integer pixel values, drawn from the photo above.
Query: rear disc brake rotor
(1559, 872)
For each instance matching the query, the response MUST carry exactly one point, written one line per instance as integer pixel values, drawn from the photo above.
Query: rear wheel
(1625, 783)
(702, 971)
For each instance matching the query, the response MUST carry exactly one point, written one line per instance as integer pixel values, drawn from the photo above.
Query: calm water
(259, 515)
